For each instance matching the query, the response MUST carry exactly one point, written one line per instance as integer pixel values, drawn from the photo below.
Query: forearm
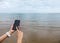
(19, 40)
(4, 36)
(19, 36)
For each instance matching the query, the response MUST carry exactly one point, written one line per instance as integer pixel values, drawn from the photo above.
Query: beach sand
(34, 34)
(35, 29)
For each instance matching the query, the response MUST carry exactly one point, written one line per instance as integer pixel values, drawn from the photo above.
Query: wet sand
(35, 31)
(33, 35)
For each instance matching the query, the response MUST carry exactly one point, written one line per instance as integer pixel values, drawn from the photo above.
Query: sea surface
(37, 27)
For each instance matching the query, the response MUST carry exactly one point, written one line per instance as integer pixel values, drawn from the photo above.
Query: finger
(11, 26)
(18, 27)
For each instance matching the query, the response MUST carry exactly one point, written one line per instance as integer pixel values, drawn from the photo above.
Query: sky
(29, 6)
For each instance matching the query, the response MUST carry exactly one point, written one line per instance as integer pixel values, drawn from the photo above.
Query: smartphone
(16, 24)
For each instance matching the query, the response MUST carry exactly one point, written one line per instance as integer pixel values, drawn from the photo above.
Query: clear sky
(29, 6)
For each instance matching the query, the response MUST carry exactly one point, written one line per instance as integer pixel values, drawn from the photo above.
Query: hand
(11, 31)
(19, 34)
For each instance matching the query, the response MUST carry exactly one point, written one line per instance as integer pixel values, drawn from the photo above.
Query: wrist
(11, 31)
(8, 34)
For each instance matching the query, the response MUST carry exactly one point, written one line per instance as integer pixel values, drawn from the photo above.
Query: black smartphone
(16, 24)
